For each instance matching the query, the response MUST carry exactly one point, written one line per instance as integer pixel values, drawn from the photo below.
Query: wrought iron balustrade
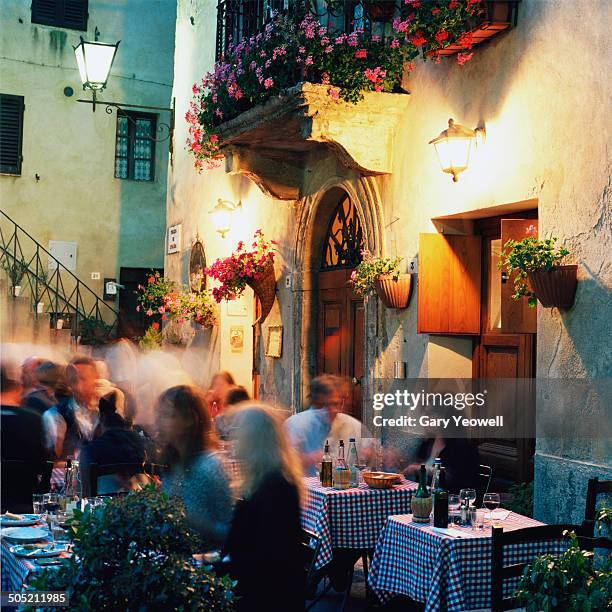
(45, 279)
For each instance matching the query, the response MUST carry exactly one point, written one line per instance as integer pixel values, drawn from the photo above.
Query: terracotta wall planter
(394, 293)
(265, 290)
(555, 287)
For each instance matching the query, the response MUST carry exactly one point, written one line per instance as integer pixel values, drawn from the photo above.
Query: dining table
(447, 569)
(350, 518)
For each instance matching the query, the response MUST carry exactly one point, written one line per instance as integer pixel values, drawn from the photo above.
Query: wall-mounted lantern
(222, 215)
(453, 147)
(95, 60)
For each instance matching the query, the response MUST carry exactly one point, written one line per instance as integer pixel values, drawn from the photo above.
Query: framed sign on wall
(174, 239)
(274, 341)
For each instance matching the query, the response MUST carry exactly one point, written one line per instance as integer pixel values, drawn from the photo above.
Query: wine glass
(491, 502)
(454, 505)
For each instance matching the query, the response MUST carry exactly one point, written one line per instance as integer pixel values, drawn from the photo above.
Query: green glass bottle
(440, 501)
(422, 490)
(420, 504)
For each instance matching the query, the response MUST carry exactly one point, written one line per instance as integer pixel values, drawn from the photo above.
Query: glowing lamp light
(95, 60)
(222, 215)
(453, 147)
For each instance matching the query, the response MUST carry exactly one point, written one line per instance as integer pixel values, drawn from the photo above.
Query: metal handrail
(61, 300)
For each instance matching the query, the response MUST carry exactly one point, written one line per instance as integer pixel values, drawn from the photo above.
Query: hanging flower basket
(264, 288)
(394, 293)
(555, 287)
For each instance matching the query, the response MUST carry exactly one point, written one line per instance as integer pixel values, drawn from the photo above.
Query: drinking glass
(51, 502)
(469, 495)
(491, 502)
(454, 505)
(476, 518)
(38, 503)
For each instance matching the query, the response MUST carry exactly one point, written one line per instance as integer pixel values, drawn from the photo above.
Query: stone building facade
(542, 91)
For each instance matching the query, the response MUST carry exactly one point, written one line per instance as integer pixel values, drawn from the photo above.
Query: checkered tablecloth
(352, 518)
(443, 572)
(14, 570)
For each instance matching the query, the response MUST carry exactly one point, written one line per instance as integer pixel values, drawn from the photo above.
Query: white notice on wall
(174, 238)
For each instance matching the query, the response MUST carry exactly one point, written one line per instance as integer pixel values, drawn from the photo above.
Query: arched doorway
(340, 312)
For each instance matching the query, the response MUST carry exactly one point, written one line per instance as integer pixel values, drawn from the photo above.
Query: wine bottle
(440, 501)
(353, 462)
(326, 467)
(422, 491)
(342, 474)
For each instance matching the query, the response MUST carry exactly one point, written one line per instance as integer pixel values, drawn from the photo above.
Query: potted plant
(152, 295)
(252, 266)
(15, 270)
(571, 582)
(39, 291)
(135, 553)
(539, 262)
(196, 306)
(382, 275)
(94, 332)
(152, 338)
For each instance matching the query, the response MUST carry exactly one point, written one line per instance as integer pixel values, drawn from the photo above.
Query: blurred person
(233, 396)
(41, 396)
(73, 420)
(459, 458)
(22, 440)
(264, 538)
(323, 421)
(121, 363)
(29, 381)
(116, 443)
(196, 469)
(215, 396)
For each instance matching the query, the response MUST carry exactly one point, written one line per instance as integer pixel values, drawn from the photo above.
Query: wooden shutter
(516, 316)
(449, 284)
(61, 13)
(11, 133)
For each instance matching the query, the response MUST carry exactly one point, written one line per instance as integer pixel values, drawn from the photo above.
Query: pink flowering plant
(161, 296)
(369, 269)
(290, 50)
(243, 265)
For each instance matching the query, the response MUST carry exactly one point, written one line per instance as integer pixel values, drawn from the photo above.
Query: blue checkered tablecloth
(351, 518)
(14, 570)
(443, 572)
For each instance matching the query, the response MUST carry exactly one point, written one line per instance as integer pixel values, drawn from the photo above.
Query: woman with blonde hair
(264, 538)
(196, 470)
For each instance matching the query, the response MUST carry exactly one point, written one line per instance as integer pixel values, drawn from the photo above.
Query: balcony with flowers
(311, 75)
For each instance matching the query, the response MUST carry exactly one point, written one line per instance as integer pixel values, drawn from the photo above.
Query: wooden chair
(501, 572)
(25, 472)
(311, 546)
(486, 473)
(93, 471)
(595, 488)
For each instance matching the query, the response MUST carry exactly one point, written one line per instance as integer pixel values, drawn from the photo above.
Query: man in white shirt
(323, 421)
(71, 422)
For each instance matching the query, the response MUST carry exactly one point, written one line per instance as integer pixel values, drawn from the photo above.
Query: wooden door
(506, 346)
(340, 312)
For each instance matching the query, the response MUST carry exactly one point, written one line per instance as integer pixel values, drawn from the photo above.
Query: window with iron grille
(135, 146)
(11, 133)
(70, 14)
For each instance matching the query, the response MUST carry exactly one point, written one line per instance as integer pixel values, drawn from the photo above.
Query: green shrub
(521, 500)
(134, 554)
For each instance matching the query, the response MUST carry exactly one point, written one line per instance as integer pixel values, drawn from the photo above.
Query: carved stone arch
(314, 212)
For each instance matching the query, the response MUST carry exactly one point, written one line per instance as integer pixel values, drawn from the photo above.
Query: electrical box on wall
(64, 252)
(110, 289)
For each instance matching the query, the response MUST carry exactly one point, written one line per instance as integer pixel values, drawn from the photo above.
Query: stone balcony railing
(271, 142)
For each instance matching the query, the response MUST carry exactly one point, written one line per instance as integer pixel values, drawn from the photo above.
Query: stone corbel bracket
(270, 143)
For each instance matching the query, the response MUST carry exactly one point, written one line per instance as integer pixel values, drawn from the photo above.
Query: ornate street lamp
(222, 215)
(95, 60)
(453, 147)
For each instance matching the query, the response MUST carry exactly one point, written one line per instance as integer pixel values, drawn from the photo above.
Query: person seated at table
(73, 420)
(215, 396)
(22, 441)
(324, 421)
(41, 395)
(459, 458)
(264, 539)
(116, 443)
(197, 472)
(233, 396)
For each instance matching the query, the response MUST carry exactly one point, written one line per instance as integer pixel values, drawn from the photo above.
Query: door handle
(504, 277)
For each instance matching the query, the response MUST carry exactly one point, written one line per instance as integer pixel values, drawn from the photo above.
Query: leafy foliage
(521, 500)
(151, 339)
(151, 296)
(527, 255)
(15, 270)
(243, 265)
(94, 332)
(134, 554)
(299, 48)
(569, 582)
(370, 268)
(604, 516)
